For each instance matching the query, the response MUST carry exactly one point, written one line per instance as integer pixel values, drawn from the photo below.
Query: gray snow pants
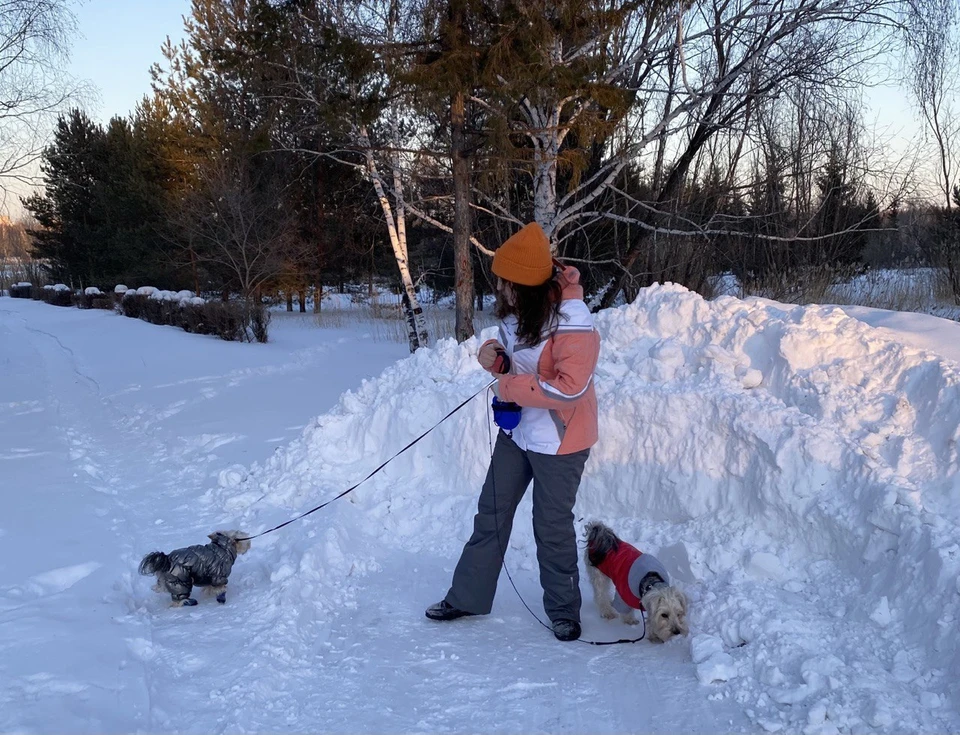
(556, 479)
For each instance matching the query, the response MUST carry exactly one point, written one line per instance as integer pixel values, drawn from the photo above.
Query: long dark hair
(537, 308)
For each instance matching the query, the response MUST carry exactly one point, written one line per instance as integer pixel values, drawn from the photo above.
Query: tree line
(287, 144)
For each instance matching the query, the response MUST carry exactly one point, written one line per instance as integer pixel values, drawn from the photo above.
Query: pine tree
(839, 213)
(102, 208)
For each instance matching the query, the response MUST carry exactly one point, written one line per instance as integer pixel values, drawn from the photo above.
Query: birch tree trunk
(546, 149)
(397, 230)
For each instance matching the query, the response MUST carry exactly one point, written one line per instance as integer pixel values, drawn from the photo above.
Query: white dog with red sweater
(641, 583)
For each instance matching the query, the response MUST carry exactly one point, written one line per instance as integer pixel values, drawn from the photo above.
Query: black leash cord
(351, 489)
(503, 563)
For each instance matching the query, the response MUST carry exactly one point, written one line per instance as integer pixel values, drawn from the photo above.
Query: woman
(544, 362)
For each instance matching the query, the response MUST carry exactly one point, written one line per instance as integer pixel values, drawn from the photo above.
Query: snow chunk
(92, 291)
(704, 646)
(719, 667)
(878, 713)
(668, 358)
(769, 725)
(232, 476)
(764, 565)
(930, 700)
(142, 649)
(815, 674)
(902, 670)
(749, 377)
(817, 722)
(772, 676)
(881, 614)
(120, 289)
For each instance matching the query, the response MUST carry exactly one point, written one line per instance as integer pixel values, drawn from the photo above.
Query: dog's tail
(154, 563)
(601, 540)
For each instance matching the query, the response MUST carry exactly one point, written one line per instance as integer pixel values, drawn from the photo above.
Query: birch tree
(339, 80)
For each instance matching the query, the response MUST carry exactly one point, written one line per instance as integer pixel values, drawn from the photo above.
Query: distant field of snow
(922, 290)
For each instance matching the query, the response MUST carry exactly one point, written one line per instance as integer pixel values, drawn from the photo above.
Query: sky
(118, 41)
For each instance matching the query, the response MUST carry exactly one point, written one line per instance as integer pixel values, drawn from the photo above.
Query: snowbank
(795, 469)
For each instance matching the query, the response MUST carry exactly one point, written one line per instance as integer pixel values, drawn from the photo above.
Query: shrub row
(93, 298)
(233, 321)
(59, 295)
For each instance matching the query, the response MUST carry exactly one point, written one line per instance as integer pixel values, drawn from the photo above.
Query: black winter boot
(566, 630)
(443, 610)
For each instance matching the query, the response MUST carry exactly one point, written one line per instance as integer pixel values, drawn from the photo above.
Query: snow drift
(795, 469)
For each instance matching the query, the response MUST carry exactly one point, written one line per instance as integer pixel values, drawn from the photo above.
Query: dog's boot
(189, 602)
(443, 610)
(566, 630)
(222, 597)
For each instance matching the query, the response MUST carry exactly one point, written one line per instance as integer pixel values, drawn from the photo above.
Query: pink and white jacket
(553, 380)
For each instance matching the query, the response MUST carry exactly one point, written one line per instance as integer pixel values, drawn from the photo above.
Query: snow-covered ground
(794, 467)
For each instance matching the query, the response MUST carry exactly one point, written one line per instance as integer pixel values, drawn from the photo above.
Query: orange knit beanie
(525, 257)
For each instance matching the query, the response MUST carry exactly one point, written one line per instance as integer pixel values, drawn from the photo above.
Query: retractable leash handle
(506, 415)
(501, 365)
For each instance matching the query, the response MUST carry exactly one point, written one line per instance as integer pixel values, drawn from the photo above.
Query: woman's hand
(493, 357)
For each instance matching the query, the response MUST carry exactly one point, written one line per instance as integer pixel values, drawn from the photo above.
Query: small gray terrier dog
(206, 565)
(641, 583)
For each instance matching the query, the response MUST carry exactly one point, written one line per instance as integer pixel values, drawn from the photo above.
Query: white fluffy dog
(640, 581)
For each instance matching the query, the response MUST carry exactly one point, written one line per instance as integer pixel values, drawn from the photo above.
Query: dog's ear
(213, 536)
(683, 602)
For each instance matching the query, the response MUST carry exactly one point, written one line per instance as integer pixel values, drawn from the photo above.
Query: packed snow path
(117, 437)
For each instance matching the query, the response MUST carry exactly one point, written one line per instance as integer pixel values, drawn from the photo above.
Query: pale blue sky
(118, 41)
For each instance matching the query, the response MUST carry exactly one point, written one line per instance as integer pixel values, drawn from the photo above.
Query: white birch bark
(397, 230)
